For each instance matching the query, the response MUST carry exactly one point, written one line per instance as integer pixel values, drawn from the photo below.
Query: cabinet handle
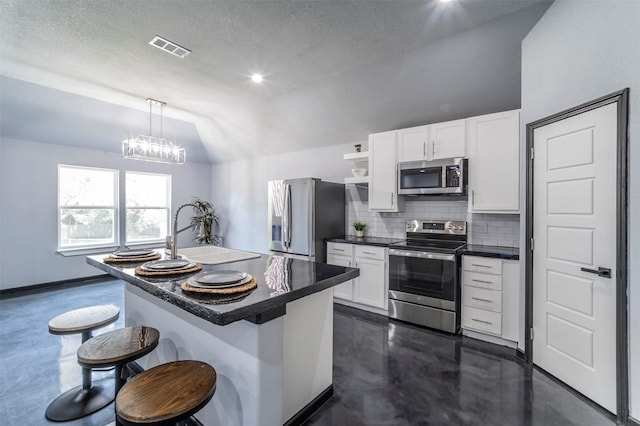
(473, 197)
(481, 266)
(349, 264)
(392, 198)
(482, 300)
(433, 148)
(424, 148)
(368, 252)
(481, 321)
(481, 281)
(335, 249)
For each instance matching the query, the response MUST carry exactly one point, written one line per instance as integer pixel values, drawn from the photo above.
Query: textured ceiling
(335, 70)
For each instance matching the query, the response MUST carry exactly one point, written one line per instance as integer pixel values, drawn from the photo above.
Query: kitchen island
(272, 350)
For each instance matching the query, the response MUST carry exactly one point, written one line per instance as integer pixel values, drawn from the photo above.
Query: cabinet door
(344, 290)
(494, 163)
(369, 287)
(382, 185)
(448, 140)
(412, 144)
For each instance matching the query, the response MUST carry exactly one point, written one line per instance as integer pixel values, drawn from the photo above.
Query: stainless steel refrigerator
(302, 214)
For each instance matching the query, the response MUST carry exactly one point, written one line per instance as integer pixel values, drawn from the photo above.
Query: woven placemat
(154, 256)
(143, 273)
(218, 291)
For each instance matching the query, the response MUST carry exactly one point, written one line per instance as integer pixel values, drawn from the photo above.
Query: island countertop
(280, 280)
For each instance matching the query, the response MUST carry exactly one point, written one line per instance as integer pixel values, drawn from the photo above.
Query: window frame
(126, 209)
(114, 207)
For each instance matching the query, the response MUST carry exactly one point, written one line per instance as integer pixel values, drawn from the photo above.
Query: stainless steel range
(424, 274)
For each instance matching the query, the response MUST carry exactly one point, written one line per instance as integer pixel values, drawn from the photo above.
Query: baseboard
(301, 416)
(7, 293)
(633, 422)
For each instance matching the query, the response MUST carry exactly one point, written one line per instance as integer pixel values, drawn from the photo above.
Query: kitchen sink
(212, 255)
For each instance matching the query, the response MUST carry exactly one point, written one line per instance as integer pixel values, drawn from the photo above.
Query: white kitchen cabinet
(370, 287)
(369, 291)
(432, 142)
(342, 255)
(494, 163)
(448, 139)
(412, 144)
(490, 299)
(383, 188)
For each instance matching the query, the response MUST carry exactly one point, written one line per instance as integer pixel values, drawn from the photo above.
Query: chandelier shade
(151, 148)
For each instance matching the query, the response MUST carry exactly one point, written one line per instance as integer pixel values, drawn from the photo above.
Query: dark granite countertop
(369, 241)
(511, 253)
(280, 280)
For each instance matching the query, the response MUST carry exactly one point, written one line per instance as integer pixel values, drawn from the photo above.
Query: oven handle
(422, 254)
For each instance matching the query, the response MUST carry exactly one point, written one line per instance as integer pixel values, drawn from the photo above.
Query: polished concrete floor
(385, 372)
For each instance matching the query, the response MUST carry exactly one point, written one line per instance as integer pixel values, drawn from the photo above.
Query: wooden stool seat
(118, 347)
(89, 397)
(84, 319)
(166, 394)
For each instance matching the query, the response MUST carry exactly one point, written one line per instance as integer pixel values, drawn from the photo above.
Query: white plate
(167, 265)
(193, 283)
(132, 253)
(221, 277)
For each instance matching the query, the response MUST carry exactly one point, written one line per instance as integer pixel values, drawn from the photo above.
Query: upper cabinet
(383, 188)
(432, 142)
(494, 163)
(448, 140)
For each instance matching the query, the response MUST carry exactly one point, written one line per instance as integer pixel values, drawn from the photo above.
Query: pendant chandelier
(151, 148)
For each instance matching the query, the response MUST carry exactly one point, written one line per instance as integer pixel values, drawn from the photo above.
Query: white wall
(28, 200)
(577, 52)
(240, 189)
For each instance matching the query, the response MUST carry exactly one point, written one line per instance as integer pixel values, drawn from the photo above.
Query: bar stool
(89, 397)
(166, 394)
(117, 348)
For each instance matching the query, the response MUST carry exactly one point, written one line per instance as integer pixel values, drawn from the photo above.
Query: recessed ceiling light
(257, 78)
(169, 46)
(445, 1)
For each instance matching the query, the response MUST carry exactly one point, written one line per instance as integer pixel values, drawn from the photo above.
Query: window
(87, 204)
(148, 206)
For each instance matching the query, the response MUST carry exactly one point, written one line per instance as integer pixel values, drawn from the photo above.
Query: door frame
(620, 97)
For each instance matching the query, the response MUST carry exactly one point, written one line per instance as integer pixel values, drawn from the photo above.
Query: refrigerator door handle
(286, 218)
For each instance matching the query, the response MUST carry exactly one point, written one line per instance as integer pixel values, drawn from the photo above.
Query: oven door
(423, 278)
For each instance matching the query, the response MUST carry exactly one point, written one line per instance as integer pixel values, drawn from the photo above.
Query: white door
(382, 174)
(574, 219)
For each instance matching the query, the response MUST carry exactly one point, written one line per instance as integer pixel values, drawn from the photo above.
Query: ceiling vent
(169, 46)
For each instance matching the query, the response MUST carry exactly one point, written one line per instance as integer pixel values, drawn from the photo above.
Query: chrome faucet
(173, 239)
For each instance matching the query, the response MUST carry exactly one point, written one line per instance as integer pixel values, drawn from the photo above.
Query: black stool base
(78, 402)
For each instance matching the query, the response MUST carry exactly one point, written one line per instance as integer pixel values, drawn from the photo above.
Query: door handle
(601, 272)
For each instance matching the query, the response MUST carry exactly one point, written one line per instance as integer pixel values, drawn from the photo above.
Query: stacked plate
(168, 265)
(132, 254)
(220, 280)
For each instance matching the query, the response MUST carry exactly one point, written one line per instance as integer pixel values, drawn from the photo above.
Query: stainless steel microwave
(433, 177)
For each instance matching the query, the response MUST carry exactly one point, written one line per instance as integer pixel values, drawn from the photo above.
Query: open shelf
(357, 180)
(357, 156)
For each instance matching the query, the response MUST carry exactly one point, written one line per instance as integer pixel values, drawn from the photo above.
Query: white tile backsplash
(487, 229)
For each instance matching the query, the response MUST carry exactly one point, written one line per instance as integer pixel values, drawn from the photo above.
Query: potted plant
(203, 222)
(359, 227)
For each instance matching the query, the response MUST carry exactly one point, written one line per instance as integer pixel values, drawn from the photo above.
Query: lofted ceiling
(78, 72)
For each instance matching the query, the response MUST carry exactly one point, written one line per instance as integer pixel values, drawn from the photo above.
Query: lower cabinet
(490, 299)
(370, 289)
